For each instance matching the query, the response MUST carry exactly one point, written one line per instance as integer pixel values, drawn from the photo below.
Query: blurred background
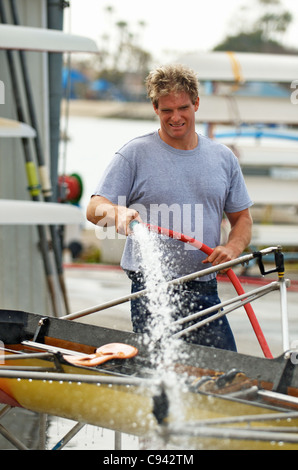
(238, 51)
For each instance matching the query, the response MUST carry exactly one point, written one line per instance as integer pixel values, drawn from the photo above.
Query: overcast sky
(177, 26)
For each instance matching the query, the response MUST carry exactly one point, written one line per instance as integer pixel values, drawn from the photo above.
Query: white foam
(162, 304)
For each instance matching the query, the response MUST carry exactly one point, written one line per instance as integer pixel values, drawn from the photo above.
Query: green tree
(264, 34)
(121, 48)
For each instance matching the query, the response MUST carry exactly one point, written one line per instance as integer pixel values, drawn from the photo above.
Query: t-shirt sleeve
(116, 182)
(238, 198)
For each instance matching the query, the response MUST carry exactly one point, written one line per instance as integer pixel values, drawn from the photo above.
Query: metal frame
(238, 302)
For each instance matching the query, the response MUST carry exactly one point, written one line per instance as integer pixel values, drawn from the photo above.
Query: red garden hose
(232, 276)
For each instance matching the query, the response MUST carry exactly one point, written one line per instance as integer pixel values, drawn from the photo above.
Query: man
(174, 171)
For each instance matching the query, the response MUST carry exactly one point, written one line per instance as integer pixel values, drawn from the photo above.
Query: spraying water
(162, 302)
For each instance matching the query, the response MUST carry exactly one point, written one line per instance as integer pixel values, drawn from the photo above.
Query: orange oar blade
(103, 354)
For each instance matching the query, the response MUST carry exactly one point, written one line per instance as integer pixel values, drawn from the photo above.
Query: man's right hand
(123, 218)
(102, 212)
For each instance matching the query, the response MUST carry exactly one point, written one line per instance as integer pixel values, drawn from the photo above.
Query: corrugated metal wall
(22, 277)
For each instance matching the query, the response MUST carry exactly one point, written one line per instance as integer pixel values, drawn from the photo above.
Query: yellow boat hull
(128, 409)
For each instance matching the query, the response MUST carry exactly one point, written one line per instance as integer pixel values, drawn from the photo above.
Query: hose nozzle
(133, 223)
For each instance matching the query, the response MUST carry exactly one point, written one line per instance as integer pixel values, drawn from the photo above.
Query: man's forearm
(240, 235)
(101, 212)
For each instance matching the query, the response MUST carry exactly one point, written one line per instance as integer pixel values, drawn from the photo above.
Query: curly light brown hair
(172, 79)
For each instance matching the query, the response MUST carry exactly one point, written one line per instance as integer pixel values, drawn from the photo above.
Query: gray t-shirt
(183, 190)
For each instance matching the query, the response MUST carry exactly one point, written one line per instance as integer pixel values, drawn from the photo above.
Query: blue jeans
(193, 297)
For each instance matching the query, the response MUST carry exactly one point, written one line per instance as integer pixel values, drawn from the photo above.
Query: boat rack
(10, 437)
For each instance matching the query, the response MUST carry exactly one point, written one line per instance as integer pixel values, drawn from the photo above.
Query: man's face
(176, 113)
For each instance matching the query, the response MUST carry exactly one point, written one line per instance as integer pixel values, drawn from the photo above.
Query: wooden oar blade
(11, 128)
(42, 39)
(13, 212)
